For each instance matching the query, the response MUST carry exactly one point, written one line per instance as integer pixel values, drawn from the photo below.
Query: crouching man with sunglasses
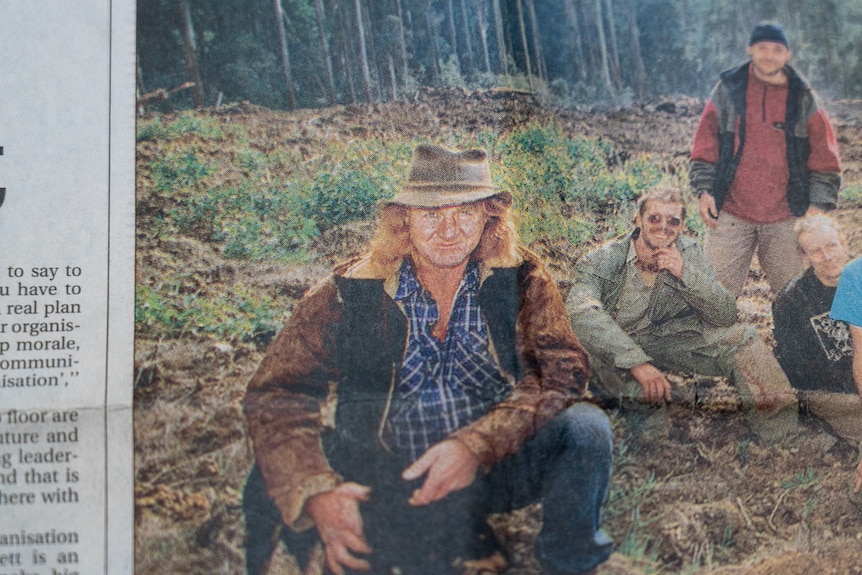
(649, 301)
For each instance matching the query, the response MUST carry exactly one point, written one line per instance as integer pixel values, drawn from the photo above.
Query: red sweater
(758, 192)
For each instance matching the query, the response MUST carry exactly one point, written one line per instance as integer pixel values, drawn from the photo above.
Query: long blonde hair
(499, 241)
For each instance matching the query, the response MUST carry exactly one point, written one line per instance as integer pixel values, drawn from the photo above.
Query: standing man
(763, 155)
(649, 301)
(814, 349)
(423, 386)
(847, 307)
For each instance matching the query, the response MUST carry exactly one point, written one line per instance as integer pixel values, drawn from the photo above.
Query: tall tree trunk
(190, 51)
(523, 31)
(541, 69)
(283, 54)
(575, 40)
(402, 44)
(374, 62)
(593, 57)
(501, 38)
(483, 34)
(393, 80)
(363, 51)
(432, 35)
(640, 76)
(453, 38)
(320, 14)
(346, 50)
(603, 48)
(468, 39)
(612, 45)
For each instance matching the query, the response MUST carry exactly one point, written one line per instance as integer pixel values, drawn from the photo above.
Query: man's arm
(824, 162)
(701, 290)
(594, 325)
(704, 157)
(556, 371)
(602, 335)
(284, 406)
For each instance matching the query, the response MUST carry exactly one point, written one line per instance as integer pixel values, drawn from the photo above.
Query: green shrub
(172, 310)
(186, 123)
(179, 172)
(150, 130)
(346, 196)
(570, 189)
(250, 223)
(198, 124)
(851, 196)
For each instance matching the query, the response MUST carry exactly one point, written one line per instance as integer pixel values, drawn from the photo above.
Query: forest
(288, 54)
(270, 130)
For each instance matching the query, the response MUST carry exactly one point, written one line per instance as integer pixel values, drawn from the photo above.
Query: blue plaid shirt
(443, 385)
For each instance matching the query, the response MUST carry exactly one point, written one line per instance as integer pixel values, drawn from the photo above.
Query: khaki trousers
(732, 243)
(736, 352)
(842, 412)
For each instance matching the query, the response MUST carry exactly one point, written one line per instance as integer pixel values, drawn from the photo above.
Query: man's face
(660, 224)
(445, 237)
(825, 252)
(769, 59)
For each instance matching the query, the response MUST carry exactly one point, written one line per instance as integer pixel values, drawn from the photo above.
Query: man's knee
(586, 426)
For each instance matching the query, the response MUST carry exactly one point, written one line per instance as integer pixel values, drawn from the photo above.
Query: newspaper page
(66, 287)
(268, 135)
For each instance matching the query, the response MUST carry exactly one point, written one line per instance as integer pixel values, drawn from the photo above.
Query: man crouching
(423, 386)
(648, 301)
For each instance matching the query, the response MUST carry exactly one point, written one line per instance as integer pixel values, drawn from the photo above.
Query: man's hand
(857, 482)
(339, 523)
(707, 209)
(669, 259)
(654, 384)
(450, 466)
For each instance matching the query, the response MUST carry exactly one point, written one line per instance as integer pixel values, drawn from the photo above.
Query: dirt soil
(693, 490)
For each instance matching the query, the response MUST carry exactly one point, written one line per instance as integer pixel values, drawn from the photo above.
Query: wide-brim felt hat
(440, 177)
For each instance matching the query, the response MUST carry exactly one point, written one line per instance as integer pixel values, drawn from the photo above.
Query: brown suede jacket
(293, 397)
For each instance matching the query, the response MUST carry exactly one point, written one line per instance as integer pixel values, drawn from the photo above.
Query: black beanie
(768, 32)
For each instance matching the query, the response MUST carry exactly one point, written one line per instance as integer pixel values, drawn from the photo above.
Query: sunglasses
(657, 219)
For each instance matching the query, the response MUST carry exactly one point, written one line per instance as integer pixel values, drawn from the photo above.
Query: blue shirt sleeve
(847, 305)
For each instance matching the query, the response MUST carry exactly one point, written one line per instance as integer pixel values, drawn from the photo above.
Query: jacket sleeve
(286, 406)
(556, 371)
(701, 290)
(592, 322)
(824, 161)
(704, 148)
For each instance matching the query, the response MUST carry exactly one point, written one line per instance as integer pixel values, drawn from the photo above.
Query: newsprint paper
(184, 319)
(66, 286)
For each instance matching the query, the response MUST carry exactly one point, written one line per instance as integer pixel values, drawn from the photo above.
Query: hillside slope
(693, 492)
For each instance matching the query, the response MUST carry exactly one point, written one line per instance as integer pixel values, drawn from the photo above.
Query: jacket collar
(365, 268)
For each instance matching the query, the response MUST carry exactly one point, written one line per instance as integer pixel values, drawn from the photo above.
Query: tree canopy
(316, 53)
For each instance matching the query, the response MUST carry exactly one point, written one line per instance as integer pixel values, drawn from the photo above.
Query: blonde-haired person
(649, 301)
(458, 382)
(814, 349)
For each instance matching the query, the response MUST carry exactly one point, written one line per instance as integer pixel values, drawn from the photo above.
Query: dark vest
(370, 347)
(736, 82)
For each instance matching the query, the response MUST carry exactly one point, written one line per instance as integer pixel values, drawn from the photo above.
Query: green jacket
(676, 306)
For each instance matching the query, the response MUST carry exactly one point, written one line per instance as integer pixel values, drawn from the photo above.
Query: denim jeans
(567, 466)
